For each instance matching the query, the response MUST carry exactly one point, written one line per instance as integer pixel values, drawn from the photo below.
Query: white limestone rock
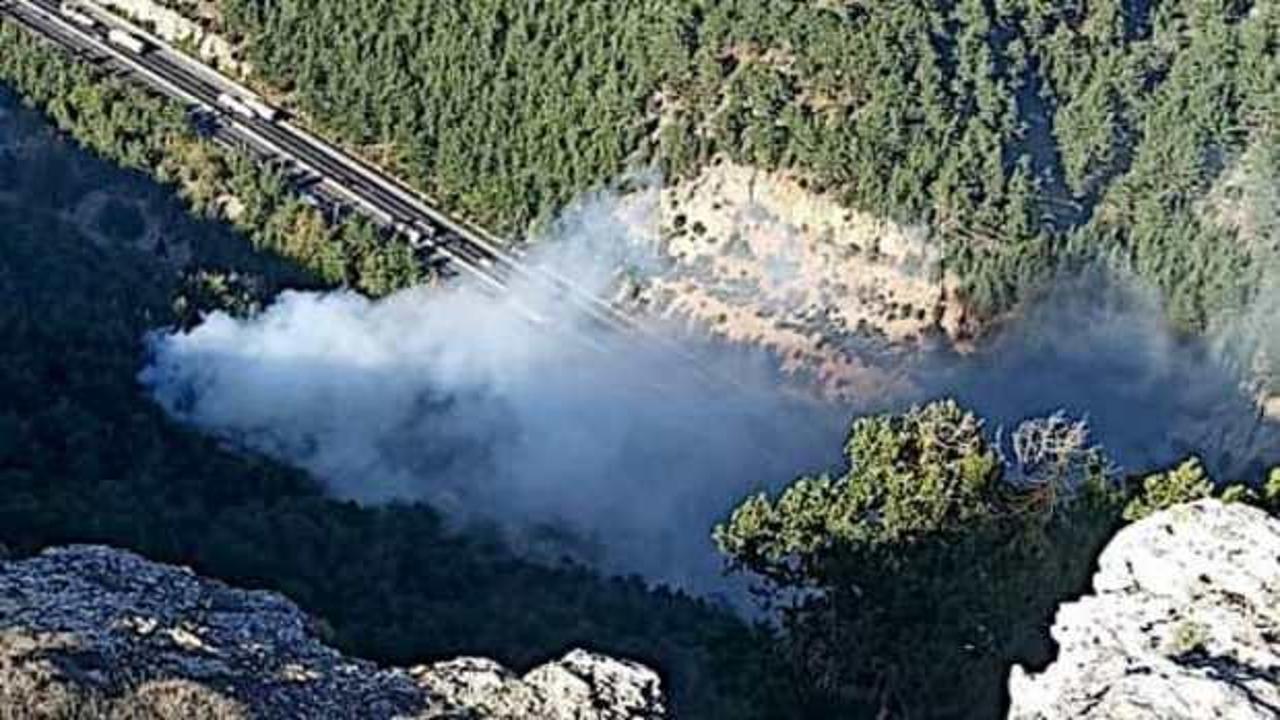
(1184, 622)
(580, 686)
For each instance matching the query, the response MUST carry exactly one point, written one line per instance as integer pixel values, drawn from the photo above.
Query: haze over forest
(935, 298)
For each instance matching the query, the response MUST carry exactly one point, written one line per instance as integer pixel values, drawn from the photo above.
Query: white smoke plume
(452, 396)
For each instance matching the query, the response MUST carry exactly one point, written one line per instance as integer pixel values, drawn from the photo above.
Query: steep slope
(95, 632)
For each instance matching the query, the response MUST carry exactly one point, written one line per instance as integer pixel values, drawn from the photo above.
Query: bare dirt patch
(756, 258)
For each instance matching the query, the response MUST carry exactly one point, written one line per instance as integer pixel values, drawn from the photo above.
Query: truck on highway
(262, 109)
(237, 106)
(127, 40)
(408, 230)
(426, 234)
(248, 108)
(74, 12)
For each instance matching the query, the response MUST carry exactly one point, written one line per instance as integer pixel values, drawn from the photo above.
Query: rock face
(759, 258)
(1184, 622)
(96, 632)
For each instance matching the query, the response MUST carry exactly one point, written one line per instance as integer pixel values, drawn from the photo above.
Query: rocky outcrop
(762, 259)
(97, 632)
(175, 25)
(1184, 622)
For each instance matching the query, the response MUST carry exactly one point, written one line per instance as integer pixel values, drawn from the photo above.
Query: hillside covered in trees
(1026, 134)
(138, 130)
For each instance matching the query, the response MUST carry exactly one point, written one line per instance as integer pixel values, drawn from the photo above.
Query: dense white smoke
(455, 397)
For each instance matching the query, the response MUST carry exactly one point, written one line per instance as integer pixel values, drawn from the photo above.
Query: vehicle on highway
(237, 106)
(249, 109)
(426, 232)
(262, 109)
(406, 229)
(128, 41)
(75, 12)
(419, 235)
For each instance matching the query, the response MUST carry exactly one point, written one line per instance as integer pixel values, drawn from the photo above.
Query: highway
(378, 195)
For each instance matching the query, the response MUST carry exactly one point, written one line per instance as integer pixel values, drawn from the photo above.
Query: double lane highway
(379, 195)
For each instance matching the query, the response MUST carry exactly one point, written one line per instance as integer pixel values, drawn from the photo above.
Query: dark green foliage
(923, 111)
(1186, 483)
(908, 583)
(1189, 482)
(502, 109)
(125, 124)
(1210, 89)
(121, 222)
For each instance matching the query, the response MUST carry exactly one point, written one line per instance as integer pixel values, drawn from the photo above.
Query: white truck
(237, 106)
(406, 229)
(248, 108)
(127, 40)
(76, 14)
(262, 109)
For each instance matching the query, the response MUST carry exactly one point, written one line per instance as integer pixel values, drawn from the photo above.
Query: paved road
(371, 191)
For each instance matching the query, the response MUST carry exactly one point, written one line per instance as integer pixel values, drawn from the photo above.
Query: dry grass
(26, 697)
(758, 259)
(32, 687)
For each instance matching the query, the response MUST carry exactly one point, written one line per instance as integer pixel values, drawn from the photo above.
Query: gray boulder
(92, 632)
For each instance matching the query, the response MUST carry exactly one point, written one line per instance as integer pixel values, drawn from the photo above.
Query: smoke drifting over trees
(552, 425)
(1097, 347)
(455, 396)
